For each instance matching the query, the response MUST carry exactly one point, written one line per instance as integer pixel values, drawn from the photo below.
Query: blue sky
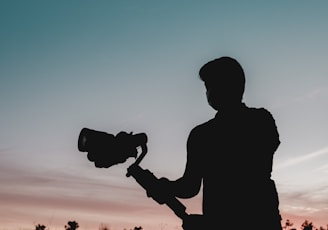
(133, 66)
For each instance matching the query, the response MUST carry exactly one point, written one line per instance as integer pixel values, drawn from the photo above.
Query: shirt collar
(232, 112)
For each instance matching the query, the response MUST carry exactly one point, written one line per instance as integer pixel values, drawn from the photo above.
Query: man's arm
(188, 185)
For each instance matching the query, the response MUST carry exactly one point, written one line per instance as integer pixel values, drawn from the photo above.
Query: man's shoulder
(261, 111)
(261, 116)
(257, 113)
(200, 132)
(203, 127)
(256, 109)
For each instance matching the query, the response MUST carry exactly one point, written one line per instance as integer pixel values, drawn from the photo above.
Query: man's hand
(194, 222)
(160, 191)
(104, 160)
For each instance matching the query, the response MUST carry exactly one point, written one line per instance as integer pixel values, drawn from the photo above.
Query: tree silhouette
(72, 225)
(288, 224)
(307, 225)
(103, 227)
(40, 227)
(138, 228)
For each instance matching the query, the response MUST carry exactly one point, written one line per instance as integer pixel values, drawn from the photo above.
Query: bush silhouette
(40, 227)
(72, 225)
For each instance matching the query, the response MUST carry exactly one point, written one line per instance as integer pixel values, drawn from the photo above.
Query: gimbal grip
(147, 180)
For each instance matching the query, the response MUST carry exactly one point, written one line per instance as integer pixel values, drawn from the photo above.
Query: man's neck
(231, 110)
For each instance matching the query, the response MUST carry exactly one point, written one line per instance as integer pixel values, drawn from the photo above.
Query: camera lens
(82, 142)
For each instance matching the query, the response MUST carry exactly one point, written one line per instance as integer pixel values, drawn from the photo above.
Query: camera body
(105, 149)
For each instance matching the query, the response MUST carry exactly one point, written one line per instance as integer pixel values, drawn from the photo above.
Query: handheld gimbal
(124, 145)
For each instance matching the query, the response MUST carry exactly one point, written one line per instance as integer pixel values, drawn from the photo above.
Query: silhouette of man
(231, 156)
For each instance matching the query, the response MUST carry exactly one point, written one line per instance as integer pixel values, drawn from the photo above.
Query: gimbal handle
(147, 180)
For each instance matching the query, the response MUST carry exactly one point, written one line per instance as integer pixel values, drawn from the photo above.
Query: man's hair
(223, 69)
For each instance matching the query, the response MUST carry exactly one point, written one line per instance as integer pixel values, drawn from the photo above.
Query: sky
(133, 66)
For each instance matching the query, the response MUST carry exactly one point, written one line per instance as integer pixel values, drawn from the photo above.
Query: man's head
(224, 80)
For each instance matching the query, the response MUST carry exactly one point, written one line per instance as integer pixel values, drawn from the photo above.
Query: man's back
(235, 153)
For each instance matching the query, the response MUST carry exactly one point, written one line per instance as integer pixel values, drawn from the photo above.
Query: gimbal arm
(98, 144)
(147, 180)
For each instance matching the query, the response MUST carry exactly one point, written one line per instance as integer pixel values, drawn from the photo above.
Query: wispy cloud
(310, 198)
(323, 168)
(303, 158)
(34, 195)
(314, 94)
(309, 203)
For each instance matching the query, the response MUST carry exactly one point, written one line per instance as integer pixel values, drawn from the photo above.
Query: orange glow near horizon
(55, 214)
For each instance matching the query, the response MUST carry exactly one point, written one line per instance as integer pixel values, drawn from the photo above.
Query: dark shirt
(232, 154)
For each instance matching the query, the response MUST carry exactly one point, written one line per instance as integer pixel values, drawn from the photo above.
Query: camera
(105, 149)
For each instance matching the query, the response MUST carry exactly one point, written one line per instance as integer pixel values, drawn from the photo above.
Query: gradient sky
(133, 66)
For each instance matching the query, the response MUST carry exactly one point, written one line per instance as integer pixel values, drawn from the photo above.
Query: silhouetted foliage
(72, 225)
(307, 225)
(40, 227)
(103, 227)
(288, 224)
